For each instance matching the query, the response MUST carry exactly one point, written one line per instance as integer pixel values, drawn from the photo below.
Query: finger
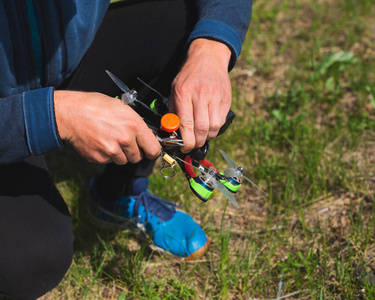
(147, 141)
(135, 156)
(97, 158)
(133, 152)
(219, 114)
(114, 153)
(186, 116)
(201, 124)
(226, 105)
(127, 144)
(216, 121)
(139, 140)
(120, 158)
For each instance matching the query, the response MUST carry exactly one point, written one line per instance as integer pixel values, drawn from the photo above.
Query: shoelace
(159, 207)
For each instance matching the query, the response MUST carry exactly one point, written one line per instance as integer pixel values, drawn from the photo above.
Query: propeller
(236, 172)
(128, 96)
(118, 82)
(210, 178)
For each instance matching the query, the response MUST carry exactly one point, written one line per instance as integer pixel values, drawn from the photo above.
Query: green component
(153, 107)
(117, 97)
(200, 190)
(231, 184)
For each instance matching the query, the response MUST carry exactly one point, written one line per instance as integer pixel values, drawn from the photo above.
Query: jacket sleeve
(27, 125)
(226, 21)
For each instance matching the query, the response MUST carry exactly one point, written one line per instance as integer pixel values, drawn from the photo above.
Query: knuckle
(212, 134)
(126, 141)
(201, 126)
(187, 124)
(215, 126)
(112, 150)
(136, 158)
(181, 91)
(204, 91)
(154, 151)
(132, 124)
(102, 159)
(121, 162)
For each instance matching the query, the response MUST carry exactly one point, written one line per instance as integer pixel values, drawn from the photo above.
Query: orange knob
(170, 122)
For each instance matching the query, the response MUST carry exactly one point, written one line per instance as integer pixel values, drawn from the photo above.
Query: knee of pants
(31, 273)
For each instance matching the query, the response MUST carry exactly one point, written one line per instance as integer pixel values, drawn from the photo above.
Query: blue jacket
(50, 38)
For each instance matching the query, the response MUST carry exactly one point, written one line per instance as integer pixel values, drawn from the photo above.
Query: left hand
(201, 93)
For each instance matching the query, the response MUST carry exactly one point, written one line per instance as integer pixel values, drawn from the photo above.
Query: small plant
(332, 67)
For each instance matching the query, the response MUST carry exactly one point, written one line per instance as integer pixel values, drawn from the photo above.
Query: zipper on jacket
(62, 37)
(35, 39)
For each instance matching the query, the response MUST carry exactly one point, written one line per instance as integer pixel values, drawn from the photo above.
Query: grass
(304, 95)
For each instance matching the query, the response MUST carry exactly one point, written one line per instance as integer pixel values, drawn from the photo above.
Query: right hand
(103, 129)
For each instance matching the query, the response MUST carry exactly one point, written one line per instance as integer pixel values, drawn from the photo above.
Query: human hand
(201, 93)
(103, 129)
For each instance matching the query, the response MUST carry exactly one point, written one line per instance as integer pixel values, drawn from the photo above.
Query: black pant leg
(36, 235)
(145, 39)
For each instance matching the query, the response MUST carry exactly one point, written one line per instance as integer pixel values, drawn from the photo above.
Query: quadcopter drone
(165, 126)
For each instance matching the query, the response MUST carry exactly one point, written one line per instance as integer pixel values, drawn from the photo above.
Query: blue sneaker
(169, 230)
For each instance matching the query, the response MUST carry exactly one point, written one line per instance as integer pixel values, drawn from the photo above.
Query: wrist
(207, 47)
(60, 100)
